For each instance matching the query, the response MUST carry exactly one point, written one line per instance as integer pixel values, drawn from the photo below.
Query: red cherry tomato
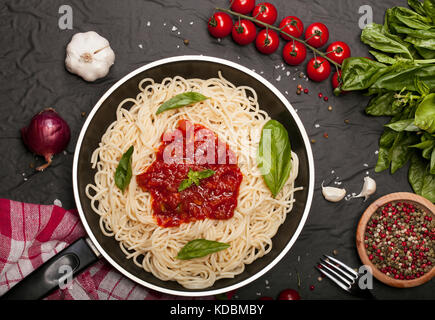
(289, 294)
(294, 53)
(317, 35)
(291, 25)
(267, 41)
(244, 32)
(265, 12)
(242, 6)
(338, 51)
(318, 69)
(220, 25)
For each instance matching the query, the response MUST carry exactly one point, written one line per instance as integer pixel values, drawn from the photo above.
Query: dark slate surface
(33, 77)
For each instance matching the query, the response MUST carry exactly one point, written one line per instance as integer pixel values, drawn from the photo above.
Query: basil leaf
(202, 174)
(423, 43)
(384, 160)
(429, 7)
(181, 100)
(403, 125)
(382, 105)
(194, 177)
(123, 172)
(400, 153)
(382, 57)
(427, 152)
(387, 138)
(185, 184)
(402, 74)
(421, 34)
(417, 6)
(274, 156)
(360, 73)
(416, 173)
(411, 19)
(428, 189)
(374, 36)
(425, 53)
(424, 144)
(199, 248)
(425, 114)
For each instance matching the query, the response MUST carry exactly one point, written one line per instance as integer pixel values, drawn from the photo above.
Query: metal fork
(343, 276)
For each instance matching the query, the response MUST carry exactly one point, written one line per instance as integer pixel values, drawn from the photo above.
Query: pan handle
(56, 272)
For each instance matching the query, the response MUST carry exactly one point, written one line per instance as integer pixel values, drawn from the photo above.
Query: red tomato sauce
(194, 147)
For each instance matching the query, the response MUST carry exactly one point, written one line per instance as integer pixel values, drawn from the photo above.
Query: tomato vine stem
(315, 50)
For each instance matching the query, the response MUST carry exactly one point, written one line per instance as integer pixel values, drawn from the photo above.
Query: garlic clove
(368, 189)
(333, 194)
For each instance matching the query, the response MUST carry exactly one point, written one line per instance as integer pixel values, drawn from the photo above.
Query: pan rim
(285, 102)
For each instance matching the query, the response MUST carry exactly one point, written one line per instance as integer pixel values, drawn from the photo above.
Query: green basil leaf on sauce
(123, 172)
(185, 184)
(199, 248)
(181, 100)
(274, 156)
(194, 177)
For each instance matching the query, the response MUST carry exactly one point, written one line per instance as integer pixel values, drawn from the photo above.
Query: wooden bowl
(421, 202)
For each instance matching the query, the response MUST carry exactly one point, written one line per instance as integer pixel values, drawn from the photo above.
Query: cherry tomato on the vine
(289, 294)
(267, 41)
(338, 51)
(291, 25)
(318, 69)
(242, 6)
(244, 32)
(317, 35)
(220, 25)
(294, 53)
(265, 12)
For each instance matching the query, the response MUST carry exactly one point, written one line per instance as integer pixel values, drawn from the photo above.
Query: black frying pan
(86, 251)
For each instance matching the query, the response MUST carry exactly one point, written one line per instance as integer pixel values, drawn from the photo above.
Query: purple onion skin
(46, 135)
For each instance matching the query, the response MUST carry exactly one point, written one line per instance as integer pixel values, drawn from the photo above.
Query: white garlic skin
(333, 194)
(97, 48)
(368, 189)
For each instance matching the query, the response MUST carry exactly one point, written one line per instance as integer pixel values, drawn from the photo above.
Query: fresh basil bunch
(402, 83)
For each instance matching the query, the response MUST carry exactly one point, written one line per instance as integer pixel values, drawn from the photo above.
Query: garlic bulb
(333, 194)
(89, 55)
(368, 189)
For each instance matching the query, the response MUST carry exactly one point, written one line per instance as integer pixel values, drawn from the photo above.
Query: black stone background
(33, 77)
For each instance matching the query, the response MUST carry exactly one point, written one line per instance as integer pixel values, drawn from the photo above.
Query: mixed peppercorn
(399, 239)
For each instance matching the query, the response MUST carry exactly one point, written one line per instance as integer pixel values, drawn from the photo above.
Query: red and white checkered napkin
(31, 234)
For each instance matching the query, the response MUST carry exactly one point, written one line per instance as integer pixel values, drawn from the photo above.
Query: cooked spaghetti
(233, 113)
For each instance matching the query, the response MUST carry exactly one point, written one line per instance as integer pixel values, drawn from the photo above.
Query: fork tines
(337, 271)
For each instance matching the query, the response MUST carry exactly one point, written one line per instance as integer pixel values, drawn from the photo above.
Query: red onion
(46, 135)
